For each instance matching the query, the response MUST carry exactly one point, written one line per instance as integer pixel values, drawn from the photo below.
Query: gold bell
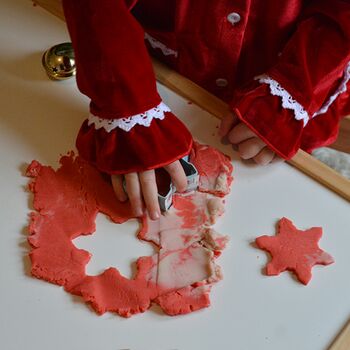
(59, 61)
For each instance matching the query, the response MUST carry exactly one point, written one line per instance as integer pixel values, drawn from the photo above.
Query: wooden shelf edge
(53, 6)
(342, 341)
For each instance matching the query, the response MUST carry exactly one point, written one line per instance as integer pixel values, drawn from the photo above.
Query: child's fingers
(240, 133)
(250, 148)
(134, 193)
(150, 193)
(117, 183)
(177, 175)
(227, 122)
(265, 156)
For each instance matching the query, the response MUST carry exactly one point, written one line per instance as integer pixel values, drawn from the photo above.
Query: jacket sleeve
(299, 101)
(129, 128)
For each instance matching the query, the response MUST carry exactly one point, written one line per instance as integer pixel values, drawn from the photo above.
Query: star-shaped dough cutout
(294, 250)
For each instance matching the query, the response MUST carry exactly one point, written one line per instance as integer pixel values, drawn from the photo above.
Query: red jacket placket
(302, 45)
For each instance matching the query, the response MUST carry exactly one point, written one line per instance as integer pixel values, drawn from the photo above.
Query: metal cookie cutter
(166, 189)
(166, 200)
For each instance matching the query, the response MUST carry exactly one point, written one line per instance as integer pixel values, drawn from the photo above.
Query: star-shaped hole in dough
(294, 250)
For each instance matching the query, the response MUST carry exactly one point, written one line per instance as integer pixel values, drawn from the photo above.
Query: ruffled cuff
(264, 114)
(283, 123)
(141, 142)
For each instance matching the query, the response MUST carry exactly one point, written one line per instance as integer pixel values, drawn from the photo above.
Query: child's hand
(143, 185)
(249, 145)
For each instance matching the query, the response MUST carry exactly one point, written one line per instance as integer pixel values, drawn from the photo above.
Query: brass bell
(59, 61)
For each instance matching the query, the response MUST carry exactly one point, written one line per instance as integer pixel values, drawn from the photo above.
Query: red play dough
(295, 250)
(185, 300)
(178, 278)
(215, 177)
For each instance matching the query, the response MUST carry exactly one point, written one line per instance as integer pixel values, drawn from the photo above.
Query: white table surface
(39, 120)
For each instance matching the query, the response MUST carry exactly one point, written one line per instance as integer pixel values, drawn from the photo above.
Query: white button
(221, 82)
(233, 18)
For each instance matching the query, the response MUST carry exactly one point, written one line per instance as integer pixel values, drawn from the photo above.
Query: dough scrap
(215, 177)
(294, 250)
(179, 277)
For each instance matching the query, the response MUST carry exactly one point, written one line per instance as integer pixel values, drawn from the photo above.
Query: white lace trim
(342, 88)
(156, 44)
(289, 102)
(128, 123)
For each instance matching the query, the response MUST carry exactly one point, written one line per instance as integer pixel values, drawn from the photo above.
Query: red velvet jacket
(283, 67)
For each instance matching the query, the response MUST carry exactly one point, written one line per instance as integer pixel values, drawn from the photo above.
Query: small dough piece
(294, 250)
(215, 169)
(185, 300)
